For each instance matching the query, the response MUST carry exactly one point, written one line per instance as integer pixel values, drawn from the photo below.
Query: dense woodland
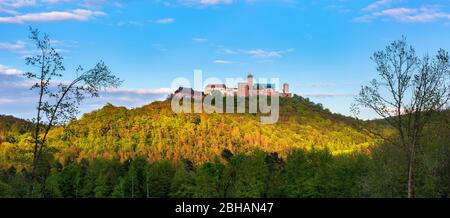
(152, 152)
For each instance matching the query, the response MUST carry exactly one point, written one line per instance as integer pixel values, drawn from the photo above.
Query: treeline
(155, 132)
(151, 152)
(11, 127)
(301, 174)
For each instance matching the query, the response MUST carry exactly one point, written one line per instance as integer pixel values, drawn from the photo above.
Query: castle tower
(285, 88)
(250, 81)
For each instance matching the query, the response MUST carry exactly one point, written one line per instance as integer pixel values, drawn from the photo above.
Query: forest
(152, 152)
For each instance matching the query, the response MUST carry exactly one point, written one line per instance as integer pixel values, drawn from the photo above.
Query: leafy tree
(51, 188)
(58, 103)
(70, 181)
(347, 176)
(6, 190)
(133, 184)
(250, 176)
(158, 179)
(273, 183)
(208, 180)
(183, 183)
(100, 178)
(409, 90)
(307, 173)
(387, 173)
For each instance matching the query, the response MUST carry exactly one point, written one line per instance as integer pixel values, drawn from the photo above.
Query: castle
(243, 90)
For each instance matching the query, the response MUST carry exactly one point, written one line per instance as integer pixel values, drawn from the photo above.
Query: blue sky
(321, 47)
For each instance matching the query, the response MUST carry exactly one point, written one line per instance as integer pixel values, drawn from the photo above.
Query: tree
(6, 190)
(183, 183)
(250, 175)
(70, 181)
(59, 103)
(273, 182)
(409, 90)
(158, 179)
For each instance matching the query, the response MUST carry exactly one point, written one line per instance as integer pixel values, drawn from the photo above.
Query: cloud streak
(17, 99)
(165, 21)
(377, 4)
(53, 16)
(423, 14)
(327, 95)
(14, 47)
(199, 40)
(140, 91)
(4, 70)
(261, 53)
(222, 62)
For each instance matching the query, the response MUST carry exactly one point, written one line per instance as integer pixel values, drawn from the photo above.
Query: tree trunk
(411, 172)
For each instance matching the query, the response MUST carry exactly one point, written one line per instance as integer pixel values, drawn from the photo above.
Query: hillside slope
(11, 127)
(155, 132)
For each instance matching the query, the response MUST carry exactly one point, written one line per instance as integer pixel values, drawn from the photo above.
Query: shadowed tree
(58, 100)
(408, 91)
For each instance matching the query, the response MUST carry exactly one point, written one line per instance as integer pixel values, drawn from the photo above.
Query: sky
(322, 48)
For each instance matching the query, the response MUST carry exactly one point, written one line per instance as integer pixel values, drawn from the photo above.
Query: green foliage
(151, 152)
(156, 133)
(158, 179)
(6, 190)
(70, 181)
(183, 183)
(250, 173)
(133, 183)
(11, 128)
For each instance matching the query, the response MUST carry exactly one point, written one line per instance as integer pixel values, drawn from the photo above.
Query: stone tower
(250, 81)
(285, 88)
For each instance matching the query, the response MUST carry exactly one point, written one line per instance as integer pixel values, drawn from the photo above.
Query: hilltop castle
(245, 89)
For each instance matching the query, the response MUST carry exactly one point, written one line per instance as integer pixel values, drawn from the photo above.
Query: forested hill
(10, 127)
(155, 132)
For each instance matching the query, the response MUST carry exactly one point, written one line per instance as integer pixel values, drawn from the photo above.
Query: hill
(11, 127)
(155, 132)
(106, 153)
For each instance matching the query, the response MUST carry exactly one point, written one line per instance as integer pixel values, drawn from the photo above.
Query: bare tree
(409, 90)
(59, 100)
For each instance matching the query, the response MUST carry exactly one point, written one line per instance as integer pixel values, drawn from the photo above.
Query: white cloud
(165, 21)
(55, 1)
(129, 23)
(77, 14)
(201, 2)
(215, 2)
(327, 95)
(17, 3)
(8, 11)
(261, 53)
(321, 85)
(15, 47)
(421, 14)
(222, 62)
(199, 40)
(424, 14)
(377, 4)
(228, 51)
(140, 91)
(9, 71)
